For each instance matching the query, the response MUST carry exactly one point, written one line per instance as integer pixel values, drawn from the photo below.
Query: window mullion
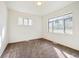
(64, 25)
(28, 21)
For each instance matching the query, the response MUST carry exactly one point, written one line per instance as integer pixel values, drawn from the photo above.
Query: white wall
(64, 39)
(3, 27)
(23, 33)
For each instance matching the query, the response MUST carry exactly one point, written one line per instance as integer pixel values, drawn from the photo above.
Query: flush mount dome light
(39, 3)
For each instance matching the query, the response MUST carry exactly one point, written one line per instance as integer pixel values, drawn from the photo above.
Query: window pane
(62, 24)
(20, 21)
(50, 26)
(58, 26)
(30, 22)
(68, 25)
(25, 21)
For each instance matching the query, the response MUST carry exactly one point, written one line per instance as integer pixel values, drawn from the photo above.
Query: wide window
(62, 24)
(24, 21)
(58, 26)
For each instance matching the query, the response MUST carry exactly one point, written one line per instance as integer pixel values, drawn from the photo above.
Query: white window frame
(64, 17)
(24, 21)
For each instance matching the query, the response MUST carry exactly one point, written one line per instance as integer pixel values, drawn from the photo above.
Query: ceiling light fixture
(39, 3)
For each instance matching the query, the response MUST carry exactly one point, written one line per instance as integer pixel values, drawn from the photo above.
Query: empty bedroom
(39, 29)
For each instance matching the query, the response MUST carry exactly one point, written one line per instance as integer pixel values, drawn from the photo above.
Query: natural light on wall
(0, 41)
(0, 34)
(20, 21)
(3, 33)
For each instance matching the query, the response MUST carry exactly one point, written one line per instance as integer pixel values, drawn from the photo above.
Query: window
(24, 21)
(62, 24)
(68, 25)
(58, 26)
(20, 21)
(30, 22)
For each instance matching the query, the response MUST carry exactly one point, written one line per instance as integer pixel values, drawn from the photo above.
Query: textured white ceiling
(31, 6)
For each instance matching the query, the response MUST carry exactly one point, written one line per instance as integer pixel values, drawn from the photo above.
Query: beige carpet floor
(38, 48)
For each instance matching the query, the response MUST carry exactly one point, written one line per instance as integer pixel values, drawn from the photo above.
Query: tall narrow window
(25, 21)
(30, 22)
(68, 25)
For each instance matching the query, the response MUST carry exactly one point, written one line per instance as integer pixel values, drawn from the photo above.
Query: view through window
(61, 24)
(24, 21)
